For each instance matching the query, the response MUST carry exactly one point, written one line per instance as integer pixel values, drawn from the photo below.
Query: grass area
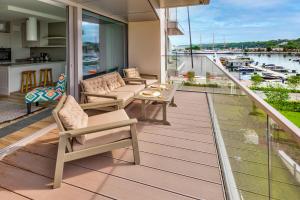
(292, 116)
(274, 89)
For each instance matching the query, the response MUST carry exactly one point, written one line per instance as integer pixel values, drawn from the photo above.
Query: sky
(240, 20)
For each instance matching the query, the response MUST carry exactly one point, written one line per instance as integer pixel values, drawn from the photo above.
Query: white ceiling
(43, 11)
(128, 10)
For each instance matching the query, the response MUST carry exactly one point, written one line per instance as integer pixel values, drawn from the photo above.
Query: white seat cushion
(151, 81)
(131, 88)
(124, 96)
(104, 137)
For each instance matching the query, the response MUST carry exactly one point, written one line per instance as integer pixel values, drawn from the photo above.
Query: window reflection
(104, 45)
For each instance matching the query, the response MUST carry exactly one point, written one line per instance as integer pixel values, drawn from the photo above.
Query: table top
(166, 94)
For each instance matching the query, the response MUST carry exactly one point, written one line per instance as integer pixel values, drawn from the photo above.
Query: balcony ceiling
(128, 10)
(180, 3)
(20, 10)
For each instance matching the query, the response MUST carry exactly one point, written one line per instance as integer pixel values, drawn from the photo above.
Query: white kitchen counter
(10, 75)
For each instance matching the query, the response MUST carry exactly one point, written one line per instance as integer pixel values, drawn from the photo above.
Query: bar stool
(28, 80)
(46, 77)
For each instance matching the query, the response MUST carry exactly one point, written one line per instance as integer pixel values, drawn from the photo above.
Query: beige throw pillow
(114, 80)
(132, 73)
(73, 117)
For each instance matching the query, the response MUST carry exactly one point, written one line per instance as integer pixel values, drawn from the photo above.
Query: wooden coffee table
(165, 98)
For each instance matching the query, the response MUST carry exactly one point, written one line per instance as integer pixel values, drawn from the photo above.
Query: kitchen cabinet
(10, 75)
(4, 40)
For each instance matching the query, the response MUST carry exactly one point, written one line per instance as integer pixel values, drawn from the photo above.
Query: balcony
(223, 142)
(174, 28)
(180, 3)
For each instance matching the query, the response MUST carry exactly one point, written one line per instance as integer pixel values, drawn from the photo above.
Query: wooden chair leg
(135, 145)
(27, 82)
(22, 83)
(34, 79)
(60, 162)
(28, 108)
(41, 78)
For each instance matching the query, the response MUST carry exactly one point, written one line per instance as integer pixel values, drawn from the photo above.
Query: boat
(269, 76)
(246, 69)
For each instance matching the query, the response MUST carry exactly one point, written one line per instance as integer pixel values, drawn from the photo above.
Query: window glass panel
(104, 45)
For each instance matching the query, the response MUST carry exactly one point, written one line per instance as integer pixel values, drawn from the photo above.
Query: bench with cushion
(109, 86)
(82, 135)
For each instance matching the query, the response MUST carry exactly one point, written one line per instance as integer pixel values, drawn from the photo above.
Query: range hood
(3, 27)
(31, 29)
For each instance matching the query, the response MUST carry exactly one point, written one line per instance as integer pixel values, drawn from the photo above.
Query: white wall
(144, 46)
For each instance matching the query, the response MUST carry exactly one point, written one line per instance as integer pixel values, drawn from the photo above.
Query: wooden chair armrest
(127, 80)
(100, 95)
(104, 104)
(155, 76)
(93, 129)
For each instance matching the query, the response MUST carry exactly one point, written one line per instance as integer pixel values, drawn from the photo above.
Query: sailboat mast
(190, 34)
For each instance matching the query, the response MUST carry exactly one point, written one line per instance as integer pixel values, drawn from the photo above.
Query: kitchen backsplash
(53, 52)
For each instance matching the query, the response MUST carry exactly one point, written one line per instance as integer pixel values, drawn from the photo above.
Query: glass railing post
(269, 143)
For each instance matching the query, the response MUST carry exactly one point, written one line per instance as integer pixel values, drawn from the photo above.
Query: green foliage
(256, 79)
(290, 44)
(210, 85)
(194, 47)
(293, 106)
(191, 76)
(292, 116)
(293, 81)
(278, 89)
(277, 96)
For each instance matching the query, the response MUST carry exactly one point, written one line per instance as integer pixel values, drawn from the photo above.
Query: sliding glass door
(104, 45)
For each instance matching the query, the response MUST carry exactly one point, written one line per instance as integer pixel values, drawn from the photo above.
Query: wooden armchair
(132, 75)
(82, 136)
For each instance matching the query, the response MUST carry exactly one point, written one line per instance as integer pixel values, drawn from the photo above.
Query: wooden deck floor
(177, 162)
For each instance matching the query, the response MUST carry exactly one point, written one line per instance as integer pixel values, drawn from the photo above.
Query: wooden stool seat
(46, 77)
(28, 80)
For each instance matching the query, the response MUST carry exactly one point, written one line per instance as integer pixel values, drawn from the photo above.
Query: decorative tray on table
(150, 93)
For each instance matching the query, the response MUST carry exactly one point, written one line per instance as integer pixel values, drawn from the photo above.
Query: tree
(256, 79)
(191, 76)
(293, 81)
(269, 49)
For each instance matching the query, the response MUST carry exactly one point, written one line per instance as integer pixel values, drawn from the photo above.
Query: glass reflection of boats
(90, 58)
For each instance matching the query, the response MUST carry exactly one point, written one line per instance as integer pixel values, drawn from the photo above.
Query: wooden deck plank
(35, 186)
(179, 143)
(178, 134)
(92, 180)
(151, 176)
(8, 195)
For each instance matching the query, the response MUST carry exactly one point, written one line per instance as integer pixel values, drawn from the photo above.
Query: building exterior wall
(144, 46)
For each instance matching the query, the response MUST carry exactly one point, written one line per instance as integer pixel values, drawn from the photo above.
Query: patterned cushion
(72, 116)
(114, 80)
(43, 94)
(61, 83)
(95, 85)
(47, 93)
(132, 73)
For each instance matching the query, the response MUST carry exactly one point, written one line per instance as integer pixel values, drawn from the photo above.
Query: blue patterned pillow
(61, 83)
